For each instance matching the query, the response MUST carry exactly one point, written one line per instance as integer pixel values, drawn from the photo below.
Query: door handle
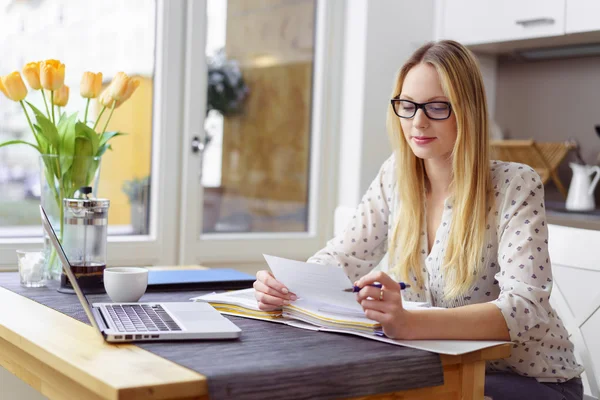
(535, 21)
(199, 145)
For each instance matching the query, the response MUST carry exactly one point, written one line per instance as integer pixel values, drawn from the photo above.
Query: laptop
(131, 322)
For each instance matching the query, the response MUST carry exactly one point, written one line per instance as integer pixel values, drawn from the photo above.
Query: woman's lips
(423, 140)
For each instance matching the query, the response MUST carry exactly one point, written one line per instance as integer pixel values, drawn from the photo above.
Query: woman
(469, 235)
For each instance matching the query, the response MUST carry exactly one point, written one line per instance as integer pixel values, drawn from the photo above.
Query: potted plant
(70, 147)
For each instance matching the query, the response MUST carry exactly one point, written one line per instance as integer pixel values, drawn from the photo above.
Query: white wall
(380, 36)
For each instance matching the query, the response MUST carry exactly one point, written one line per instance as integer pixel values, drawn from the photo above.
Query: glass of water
(32, 270)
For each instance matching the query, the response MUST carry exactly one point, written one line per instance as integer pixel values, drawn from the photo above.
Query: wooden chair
(544, 157)
(575, 257)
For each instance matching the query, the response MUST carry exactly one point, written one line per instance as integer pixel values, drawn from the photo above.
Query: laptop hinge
(103, 324)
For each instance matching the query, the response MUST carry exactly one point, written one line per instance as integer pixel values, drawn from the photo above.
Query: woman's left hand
(383, 305)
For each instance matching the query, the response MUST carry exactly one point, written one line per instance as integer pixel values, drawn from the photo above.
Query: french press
(84, 241)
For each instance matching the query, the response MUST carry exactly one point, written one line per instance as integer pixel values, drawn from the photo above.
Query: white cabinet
(476, 21)
(582, 16)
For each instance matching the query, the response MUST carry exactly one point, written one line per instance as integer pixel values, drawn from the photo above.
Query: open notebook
(323, 305)
(347, 318)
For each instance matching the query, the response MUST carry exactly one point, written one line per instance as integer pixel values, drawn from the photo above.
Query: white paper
(243, 298)
(324, 283)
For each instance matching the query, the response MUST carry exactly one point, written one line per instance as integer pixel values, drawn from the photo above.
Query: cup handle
(595, 169)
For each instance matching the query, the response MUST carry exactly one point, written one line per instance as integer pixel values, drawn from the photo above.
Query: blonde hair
(471, 182)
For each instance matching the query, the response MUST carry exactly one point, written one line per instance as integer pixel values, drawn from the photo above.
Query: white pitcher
(581, 190)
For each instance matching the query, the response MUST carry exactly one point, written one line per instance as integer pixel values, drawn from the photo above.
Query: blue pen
(356, 289)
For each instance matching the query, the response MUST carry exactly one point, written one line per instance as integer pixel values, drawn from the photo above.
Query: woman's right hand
(270, 293)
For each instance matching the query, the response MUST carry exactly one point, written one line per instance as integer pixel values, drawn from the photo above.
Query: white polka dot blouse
(516, 273)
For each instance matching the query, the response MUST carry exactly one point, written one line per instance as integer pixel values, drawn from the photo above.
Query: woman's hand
(270, 293)
(383, 305)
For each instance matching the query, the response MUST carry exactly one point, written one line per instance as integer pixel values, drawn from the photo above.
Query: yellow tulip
(14, 87)
(131, 87)
(61, 96)
(123, 87)
(105, 98)
(52, 74)
(2, 88)
(91, 84)
(31, 71)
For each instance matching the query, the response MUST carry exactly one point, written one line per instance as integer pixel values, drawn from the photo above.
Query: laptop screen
(67, 268)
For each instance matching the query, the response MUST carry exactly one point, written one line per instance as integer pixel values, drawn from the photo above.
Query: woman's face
(428, 139)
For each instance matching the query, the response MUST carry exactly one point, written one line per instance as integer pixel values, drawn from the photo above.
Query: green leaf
(48, 130)
(82, 129)
(102, 149)
(92, 172)
(41, 139)
(20, 142)
(82, 162)
(66, 131)
(61, 121)
(106, 136)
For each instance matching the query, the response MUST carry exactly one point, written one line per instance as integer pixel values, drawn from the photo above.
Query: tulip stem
(45, 103)
(99, 115)
(28, 119)
(87, 105)
(52, 104)
(112, 109)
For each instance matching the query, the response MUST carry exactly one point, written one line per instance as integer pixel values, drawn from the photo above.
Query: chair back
(575, 258)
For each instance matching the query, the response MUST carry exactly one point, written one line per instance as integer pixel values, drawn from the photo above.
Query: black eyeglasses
(436, 110)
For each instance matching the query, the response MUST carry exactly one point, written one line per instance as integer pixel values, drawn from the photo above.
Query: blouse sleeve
(363, 243)
(525, 275)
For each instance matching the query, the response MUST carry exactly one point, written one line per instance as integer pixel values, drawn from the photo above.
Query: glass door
(257, 178)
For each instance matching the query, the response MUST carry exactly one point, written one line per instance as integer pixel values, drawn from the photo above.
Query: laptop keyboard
(141, 318)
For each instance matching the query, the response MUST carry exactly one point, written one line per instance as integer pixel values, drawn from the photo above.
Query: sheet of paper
(314, 282)
(450, 347)
(243, 298)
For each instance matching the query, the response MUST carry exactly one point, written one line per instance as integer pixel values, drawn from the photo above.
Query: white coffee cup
(125, 284)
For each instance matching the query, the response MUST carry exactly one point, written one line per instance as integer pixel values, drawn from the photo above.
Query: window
(83, 37)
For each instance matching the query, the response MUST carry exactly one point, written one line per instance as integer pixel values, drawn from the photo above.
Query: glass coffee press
(85, 240)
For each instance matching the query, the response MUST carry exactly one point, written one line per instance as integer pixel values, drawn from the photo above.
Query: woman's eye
(438, 107)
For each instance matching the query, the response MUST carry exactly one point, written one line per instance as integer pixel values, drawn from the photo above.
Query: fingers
(376, 305)
(374, 292)
(270, 293)
(269, 280)
(378, 276)
(268, 302)
(375, 315)
(261, 287)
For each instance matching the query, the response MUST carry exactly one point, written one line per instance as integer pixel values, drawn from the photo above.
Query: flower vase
(61, 177)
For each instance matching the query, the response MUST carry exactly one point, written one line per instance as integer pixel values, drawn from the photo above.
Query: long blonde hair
(471, 182)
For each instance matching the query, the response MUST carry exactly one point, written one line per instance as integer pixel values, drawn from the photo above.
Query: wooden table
(68, 360)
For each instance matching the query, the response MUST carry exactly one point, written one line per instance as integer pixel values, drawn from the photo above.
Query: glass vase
(61, 177)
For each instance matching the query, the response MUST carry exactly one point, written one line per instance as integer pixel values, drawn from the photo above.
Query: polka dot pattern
(515, 272)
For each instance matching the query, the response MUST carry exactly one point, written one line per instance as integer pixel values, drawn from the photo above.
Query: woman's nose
(420, 120)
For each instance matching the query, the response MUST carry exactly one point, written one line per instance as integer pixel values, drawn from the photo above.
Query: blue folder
(199, 279)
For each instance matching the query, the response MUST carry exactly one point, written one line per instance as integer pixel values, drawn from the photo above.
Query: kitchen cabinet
(474, 21)
(582, 16)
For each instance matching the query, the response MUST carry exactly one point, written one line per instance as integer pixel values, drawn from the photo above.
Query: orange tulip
(123, 87)
(31, 71)
(91, 84)
(14, 87)
(61, 96)
(105, 98)
(52, 74)
(131, 87)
